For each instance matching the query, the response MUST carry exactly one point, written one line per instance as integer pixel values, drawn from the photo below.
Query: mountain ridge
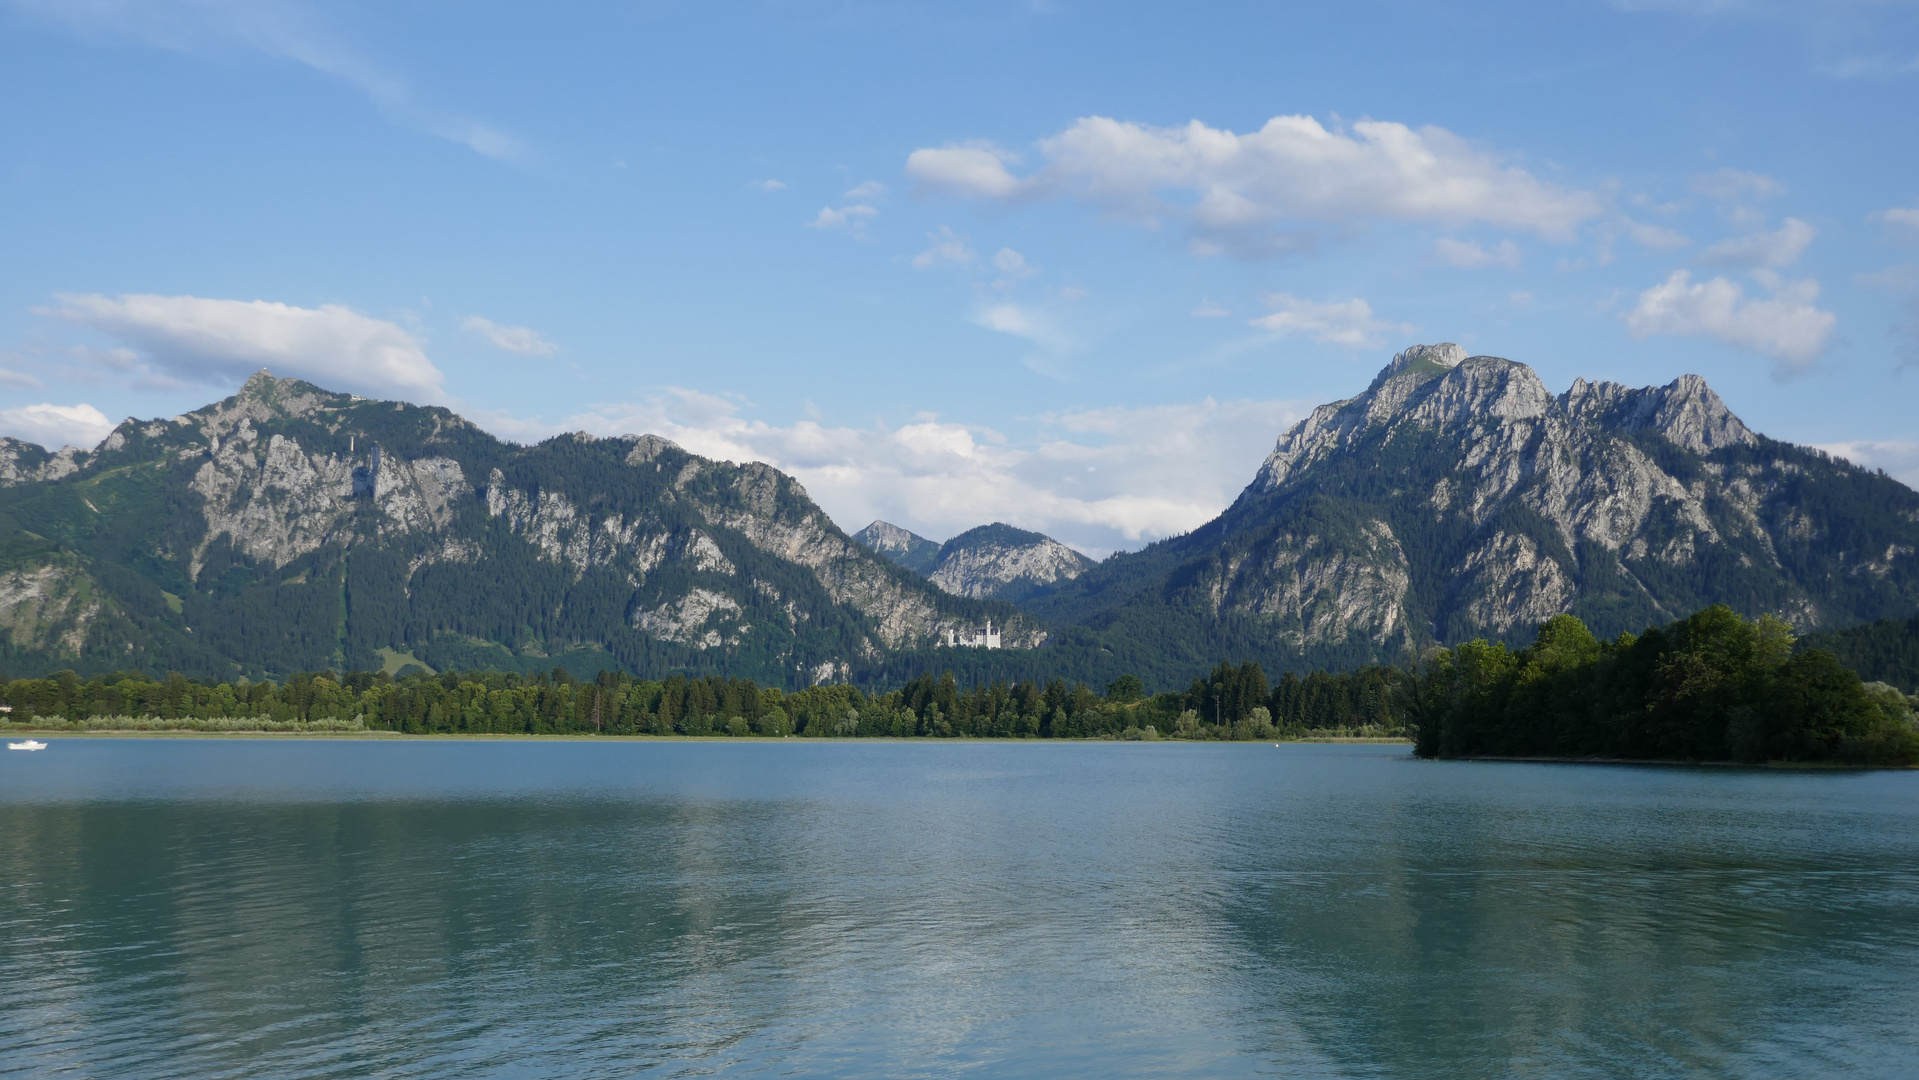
(1456, 497)
(286, 527)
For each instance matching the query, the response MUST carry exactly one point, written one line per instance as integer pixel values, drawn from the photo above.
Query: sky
(1069, 266)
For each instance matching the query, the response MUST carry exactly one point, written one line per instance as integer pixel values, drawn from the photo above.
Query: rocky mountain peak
(1685, 411)
(1457, 498)
(999, 561)
(1437, 388)
(1422, 361)
(263, 397)
(903, 546)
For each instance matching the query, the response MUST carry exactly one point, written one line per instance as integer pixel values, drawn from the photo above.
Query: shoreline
(1672, 764)
(399, 736)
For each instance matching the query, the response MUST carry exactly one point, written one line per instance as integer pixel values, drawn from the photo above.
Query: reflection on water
(230, 908)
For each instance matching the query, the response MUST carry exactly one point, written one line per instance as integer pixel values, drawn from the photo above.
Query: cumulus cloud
(1234, 192)
(1766, 249)
(282, 29)
(222, 341)
(977, 171)
(1732, 185)
(1097, 479)
(1339, 322)
(1785, 326)
(1469, 255)
(513, 339)
(54, 426)
(866, 192)
(767, 185)
(1209, 310)
(1899, 458)
(852, 218)
(948, 247)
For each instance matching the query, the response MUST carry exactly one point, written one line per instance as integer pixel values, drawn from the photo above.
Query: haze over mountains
(288, 528)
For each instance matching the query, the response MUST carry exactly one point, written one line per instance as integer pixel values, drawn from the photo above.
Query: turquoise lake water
(228, 908)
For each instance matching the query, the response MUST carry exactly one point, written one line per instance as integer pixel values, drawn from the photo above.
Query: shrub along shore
(1710, 688)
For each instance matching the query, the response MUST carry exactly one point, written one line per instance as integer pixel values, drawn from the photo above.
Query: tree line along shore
(1711, 687)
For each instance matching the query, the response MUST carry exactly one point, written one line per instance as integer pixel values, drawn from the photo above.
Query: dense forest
(1234, 702)
(1885, 651)
(1712, 687)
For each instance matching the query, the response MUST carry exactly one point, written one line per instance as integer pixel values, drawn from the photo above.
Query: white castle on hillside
(988, 639)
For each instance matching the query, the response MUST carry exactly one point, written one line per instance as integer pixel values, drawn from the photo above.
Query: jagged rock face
(906, 548)
(25, 463)
(287, 528)
(47, 608)
(1458, 497)
(1001, 562)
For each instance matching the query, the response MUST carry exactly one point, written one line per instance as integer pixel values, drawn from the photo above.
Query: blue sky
(1064, 265)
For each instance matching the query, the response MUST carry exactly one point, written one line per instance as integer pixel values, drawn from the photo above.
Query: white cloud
(1654, 236)
(977, 171)
(282, 29)
(1209, 310)
(1012, 266)
(1469, 255)
(1022, 321)
(1233, 192)
(9, 377)
(513, 339)
(1340, 322)
(947, 246)
(1899, 458)
(866, 192)
(767, 185)
(852, 218)
(1785, 326)
(1099, 479)
(203, 340)
(1731, 185)
(54, 426)
(1900, 215)
(1773, 249)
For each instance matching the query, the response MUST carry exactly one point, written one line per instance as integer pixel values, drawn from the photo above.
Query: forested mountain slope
(1457, 498)
(288, 528)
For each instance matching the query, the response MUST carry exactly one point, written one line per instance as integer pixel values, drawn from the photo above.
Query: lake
(249, 908)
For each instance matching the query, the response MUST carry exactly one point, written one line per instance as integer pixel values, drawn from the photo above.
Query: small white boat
(30, 744)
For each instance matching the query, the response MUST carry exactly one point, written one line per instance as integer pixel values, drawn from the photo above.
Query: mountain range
(288, 528)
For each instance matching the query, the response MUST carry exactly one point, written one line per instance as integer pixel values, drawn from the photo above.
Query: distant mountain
(909, 549)
(1457, 497)
(1001, 562)
(288, 528)
(996, 561)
